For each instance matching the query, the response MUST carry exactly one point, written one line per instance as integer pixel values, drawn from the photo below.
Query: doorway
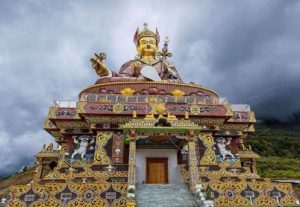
(157, 170)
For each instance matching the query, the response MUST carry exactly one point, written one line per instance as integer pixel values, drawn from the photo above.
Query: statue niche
(149, 64)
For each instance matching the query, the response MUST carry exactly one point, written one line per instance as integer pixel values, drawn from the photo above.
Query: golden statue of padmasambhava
(149, 64)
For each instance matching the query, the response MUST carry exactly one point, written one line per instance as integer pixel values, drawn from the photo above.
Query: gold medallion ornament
(160, 108)
(118, 108)
(177, 93)
(195, 110)
(152, 100)
(127, 91)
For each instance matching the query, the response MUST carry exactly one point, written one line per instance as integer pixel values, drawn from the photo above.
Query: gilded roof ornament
(127, 91)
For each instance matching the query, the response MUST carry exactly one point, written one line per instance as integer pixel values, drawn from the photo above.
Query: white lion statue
(221, 145)
(83, 142)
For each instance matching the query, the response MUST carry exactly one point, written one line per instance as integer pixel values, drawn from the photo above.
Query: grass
(279, 167)
(279, 146)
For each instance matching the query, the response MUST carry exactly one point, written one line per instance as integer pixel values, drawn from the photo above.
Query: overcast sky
(247, 51)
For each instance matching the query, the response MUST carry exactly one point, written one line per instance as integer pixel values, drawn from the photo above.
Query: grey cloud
(246, 49)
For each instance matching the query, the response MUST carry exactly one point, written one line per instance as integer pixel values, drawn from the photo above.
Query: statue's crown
(145, 33)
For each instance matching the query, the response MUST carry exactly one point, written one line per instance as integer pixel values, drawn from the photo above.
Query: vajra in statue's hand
(99, 65)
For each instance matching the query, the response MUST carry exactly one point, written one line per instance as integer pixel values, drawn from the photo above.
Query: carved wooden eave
(47, 154)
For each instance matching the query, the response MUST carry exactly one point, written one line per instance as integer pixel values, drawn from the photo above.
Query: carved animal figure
(83, 142)
(221, 145)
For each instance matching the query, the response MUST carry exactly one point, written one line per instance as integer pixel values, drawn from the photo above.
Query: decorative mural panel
(80, 147)
(239, 116)
(74, 124)
(146, 108)
(209, 157)
(106, 120)
(108, 108)
(101, 154)
(70, 194)
(252, 194)
(242, 117)
(208, 121)
(65, 113)
(118, 148)
(224, 152)
(196, 109)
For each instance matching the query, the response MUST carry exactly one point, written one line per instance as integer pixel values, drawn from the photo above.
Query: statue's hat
(145, 33)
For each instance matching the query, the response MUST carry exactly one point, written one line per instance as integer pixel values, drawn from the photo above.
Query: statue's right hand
(98, 64)
(95, 62)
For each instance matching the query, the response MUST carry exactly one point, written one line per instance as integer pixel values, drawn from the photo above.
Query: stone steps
(164, 195)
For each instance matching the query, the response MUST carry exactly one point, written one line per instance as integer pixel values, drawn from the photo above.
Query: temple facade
(144, 125)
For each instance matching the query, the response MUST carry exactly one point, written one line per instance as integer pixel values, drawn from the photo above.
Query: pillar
(131, 161)
(193, 168)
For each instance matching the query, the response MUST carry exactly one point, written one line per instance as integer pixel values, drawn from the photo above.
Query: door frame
(161, 160)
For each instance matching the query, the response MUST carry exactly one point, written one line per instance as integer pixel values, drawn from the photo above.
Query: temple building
(144, 126)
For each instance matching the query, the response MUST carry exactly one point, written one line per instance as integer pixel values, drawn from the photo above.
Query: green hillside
(279, 146)
(276, 140)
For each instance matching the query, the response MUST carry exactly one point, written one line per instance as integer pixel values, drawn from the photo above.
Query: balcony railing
(240, 107)
(114, 98)
(64, 104)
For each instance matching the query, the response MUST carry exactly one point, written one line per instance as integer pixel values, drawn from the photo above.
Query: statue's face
(221, 140)
(147, 46)
(84, 139)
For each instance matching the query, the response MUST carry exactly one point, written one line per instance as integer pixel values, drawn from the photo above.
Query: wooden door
(157, 170)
